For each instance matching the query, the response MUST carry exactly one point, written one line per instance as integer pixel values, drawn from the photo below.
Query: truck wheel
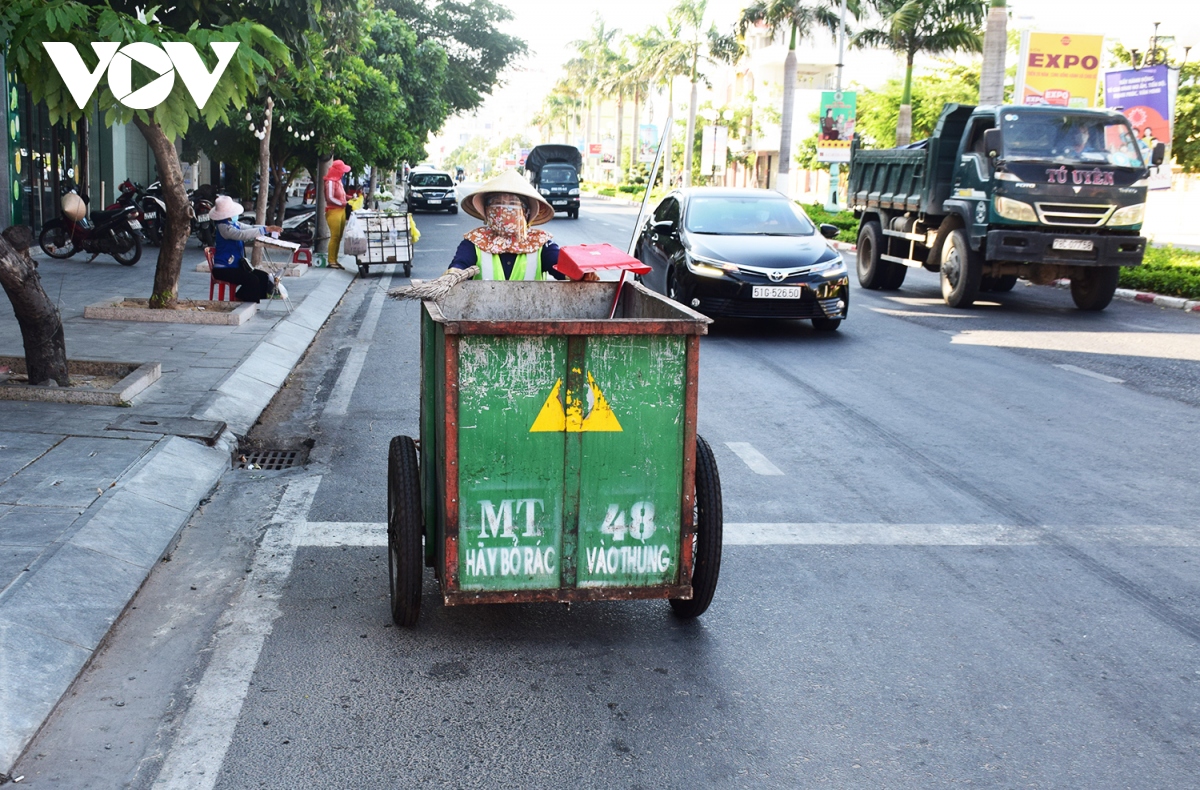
(1004, 283)
(871, 274)
(896, 273)
(706, 546)
(406, 527)
(1093, 287)
(962, 270)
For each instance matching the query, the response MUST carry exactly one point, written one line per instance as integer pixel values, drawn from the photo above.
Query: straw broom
(434, 290)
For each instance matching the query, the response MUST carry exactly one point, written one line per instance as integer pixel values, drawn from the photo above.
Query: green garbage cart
(558, 457)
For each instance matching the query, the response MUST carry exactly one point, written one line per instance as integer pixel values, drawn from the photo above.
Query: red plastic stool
(224, 290)
(302, 255)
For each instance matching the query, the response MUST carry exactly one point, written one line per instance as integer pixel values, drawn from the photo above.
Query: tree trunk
(620, 134)
(371, 186)
(170, 253)
(41, 325)
(321, 243)
(264, 178)
(904, 117)
(689, 141)
(995, 47)
(783, 182)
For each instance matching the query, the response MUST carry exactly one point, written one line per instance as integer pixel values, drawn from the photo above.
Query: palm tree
(595, 55)
(800, 19)
(995, 46)
(663, 59)
(930, 26)
(638, 80)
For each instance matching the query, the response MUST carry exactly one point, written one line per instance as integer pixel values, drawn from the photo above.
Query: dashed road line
(757, 462)
(1090, 374)
(343, 388)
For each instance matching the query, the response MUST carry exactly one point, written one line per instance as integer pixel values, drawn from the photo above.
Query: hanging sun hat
(73, 207)
(224, 208)
(513, 183)
(337, 169)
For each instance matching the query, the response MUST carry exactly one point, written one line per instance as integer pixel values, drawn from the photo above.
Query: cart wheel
(405, 531)
(706, 545)
(408, 270)
(363, 270)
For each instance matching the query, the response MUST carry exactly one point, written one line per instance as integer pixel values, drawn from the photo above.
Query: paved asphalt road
(962, 550)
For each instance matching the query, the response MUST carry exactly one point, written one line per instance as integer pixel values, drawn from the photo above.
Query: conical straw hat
(513, 183)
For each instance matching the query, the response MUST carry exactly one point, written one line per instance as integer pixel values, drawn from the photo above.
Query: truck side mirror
(993, 142)
(1158, 154)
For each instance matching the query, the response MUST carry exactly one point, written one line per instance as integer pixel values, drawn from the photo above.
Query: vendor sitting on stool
(229, 262)
(506, 248)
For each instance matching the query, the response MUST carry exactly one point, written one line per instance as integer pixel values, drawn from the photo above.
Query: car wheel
(961, 270)
(708, 521)
(826, 324)
(453, 209)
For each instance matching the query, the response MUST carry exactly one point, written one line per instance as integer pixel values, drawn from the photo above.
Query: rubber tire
(871, 270)
(127, 258)
(44, 238)
(453, 209)
(710, 522)
(960, 293)
(826, 324)
(406, 528)
(1095, 289)
(1004, 283)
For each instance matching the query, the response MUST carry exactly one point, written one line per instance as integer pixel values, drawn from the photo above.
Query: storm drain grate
(270, 459)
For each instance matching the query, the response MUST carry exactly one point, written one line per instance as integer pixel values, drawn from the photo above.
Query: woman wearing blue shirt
(229, 261)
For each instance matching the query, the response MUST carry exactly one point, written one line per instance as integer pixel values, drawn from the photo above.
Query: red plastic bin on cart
(580, 259)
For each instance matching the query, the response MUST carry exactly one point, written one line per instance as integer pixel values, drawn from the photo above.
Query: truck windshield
(747, 216)
(1071, 138)
(558, 175)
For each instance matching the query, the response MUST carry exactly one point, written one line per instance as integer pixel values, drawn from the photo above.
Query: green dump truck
(1000, 193)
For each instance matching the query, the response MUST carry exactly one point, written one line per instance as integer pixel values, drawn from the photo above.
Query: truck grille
(1084, 215)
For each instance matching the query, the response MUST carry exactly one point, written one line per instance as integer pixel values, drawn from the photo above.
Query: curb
(1146, 297)
(93, 576)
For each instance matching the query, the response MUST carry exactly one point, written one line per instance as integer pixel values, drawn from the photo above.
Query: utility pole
(831, 205)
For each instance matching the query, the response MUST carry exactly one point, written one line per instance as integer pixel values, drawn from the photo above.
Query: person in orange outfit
(335, 207)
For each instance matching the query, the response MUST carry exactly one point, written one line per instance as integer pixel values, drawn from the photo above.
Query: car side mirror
(993, 142)
(1159, 154)
(830, 231)
(663, 226)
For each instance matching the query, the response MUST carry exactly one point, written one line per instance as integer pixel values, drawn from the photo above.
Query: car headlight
(544, 191)
(830, 267)
(1015, 210)
(573, 191)
(706, 267)
(1130, 215)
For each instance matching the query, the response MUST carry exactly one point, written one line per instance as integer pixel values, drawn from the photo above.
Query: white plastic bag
(354, 238)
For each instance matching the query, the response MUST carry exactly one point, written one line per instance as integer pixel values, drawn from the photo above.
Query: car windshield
(430, 180)
(1070, 138)
(558, 175)
(747, 216)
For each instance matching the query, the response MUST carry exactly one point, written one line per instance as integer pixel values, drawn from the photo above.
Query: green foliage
(877, 110)
(846, 222)
(1167, 271)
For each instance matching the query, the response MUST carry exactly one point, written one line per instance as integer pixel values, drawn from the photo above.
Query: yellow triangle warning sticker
(555, 418)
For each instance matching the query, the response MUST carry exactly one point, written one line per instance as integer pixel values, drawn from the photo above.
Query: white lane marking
(367, 534)
(333, 534)
(764, 534)
(1090, 374)
(343, 388)
(199, 750)
(754, 459)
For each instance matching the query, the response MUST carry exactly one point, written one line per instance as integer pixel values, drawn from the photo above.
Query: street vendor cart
(558, 456)
(389, 240)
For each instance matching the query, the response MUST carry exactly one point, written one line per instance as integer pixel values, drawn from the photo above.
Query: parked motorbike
(112, 233)
(203, 198)
(154, 213)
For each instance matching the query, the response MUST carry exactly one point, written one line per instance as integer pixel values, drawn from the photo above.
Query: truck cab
(553, 171)
(997, 193)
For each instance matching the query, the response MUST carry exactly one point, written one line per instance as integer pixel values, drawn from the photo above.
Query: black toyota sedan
(744, 253)
(431, 190)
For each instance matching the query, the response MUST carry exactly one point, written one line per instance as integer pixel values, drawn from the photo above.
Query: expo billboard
(1058, 69)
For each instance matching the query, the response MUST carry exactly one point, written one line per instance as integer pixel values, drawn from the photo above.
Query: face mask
(506, 220)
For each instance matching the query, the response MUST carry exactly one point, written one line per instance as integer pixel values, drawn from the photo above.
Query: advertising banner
(593, 149)
(647, 142)
(838, 110)
(1058, 69)
(1147, 98)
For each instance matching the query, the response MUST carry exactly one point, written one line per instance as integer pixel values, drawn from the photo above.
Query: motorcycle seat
(100, 216)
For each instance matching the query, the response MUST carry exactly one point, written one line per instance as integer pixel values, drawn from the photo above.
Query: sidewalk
(92, 497)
